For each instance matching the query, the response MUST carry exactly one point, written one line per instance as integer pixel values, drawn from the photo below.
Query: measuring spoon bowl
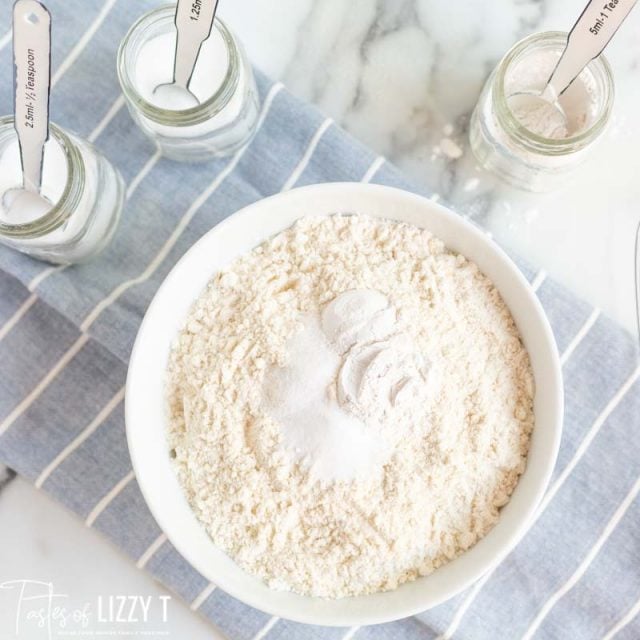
(539, 114)
(22, 206)
(173, 97)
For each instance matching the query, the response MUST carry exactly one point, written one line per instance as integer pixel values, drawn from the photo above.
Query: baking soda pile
(351, 389)
(350, 406)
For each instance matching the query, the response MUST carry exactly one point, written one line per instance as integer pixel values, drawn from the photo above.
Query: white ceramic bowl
(146, 420)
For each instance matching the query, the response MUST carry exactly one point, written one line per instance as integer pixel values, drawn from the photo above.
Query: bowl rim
(492, 557)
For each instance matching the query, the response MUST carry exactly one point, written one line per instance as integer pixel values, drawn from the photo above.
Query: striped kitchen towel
(66, 334)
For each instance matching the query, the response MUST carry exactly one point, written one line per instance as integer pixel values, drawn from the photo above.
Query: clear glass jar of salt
(82, 198)
(222, 80)
(527, 148)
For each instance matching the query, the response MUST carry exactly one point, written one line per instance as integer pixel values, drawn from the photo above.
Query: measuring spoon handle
(589, 36)
(194, 20)
(32, 59)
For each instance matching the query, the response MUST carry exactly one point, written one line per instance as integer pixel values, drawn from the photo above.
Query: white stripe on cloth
(106, 119)
(373, 169)
(623, 622)
(304, 161)
(180, 227)
(153, 547)
(104, 502)
(587, 440)
(6, 39)
(587, 560)
(82, 43)
(267, 627)
(466, 603)
(351, 632)
(45, 273)
(43, 384)
(15, 318)
(142, 174)
(202, 596)
(584, 445)
(536, 283)
(103, 414)
(586, 327)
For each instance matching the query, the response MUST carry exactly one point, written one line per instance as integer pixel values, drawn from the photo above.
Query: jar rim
(185, 117)
(600, 68)
(61, 210)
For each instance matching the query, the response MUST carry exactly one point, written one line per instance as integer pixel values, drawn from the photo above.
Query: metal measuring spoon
(591, 33)
(194, 21)
(32, 60)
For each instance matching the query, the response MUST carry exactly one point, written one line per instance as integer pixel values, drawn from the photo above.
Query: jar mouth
(161, 17)
(61, 210)
(598, 67)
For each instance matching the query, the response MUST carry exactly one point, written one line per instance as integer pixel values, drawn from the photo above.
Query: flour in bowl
(350, 406)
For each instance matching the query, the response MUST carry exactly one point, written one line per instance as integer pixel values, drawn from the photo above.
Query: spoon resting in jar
(194, 21)
(32, 59)
(591, 33)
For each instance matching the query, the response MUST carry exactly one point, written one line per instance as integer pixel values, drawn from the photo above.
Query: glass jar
(85, 191)
(519, 156)
(221, 124)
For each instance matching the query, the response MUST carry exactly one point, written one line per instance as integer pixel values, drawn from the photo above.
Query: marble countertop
(400, 75)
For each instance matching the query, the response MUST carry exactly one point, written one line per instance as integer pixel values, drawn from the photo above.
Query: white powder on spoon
(154, 67)
(579, 101)
(315, 429)
(539, 116)
(21, 207)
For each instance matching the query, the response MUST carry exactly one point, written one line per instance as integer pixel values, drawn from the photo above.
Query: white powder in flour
(352, 388)
(316, 432)
(421, 498)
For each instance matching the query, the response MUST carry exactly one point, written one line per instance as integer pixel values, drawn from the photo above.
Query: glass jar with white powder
(527, 148)
(222, 81)
(82, 198)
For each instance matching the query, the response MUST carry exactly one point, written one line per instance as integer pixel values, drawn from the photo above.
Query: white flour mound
(445, 481)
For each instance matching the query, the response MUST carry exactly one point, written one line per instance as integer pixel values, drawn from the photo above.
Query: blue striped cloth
(65, 337)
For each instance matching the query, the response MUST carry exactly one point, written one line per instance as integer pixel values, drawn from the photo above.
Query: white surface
(395, 74)
(145, 399)
(39, 540)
